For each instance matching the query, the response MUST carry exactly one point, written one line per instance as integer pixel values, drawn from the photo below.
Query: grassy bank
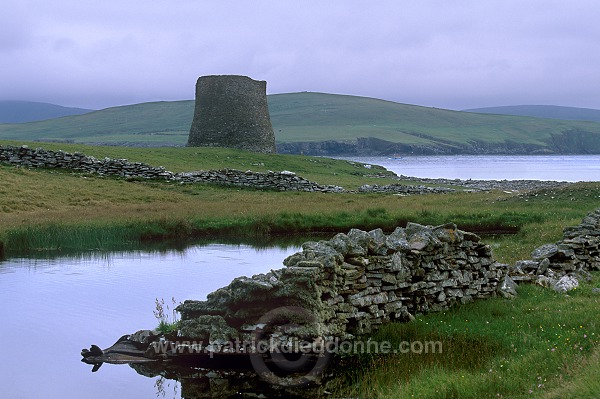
(321, 170)
(540, 345)
(44, 210)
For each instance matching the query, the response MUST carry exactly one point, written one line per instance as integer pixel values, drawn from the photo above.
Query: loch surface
(53, 308)
(570, 168)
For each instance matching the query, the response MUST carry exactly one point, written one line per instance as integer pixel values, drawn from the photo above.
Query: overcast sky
(452, 54)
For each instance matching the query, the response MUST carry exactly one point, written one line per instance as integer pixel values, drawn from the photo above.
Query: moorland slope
(329, 124)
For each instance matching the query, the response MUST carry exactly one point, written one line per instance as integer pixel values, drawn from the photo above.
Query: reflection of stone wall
(232, 111)
(354, 283)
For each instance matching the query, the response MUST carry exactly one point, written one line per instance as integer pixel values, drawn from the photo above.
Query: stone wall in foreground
(358, 281)
(40, 158)
(353, 284)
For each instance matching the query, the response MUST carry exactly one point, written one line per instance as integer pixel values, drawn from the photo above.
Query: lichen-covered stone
(508, 288)
(545, 251)
(208, 328)
(355, 282)
(565, 284)
(563, 264)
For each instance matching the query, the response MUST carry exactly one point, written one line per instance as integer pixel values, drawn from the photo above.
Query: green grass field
(540, 345)
(186, 159)
(41, 209)
(302, 117)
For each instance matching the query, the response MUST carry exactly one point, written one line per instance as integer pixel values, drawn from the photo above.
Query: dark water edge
(166, 245)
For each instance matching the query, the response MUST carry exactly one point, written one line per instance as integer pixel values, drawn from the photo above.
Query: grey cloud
(457, 54)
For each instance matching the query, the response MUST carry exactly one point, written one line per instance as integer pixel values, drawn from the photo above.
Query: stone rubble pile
(282, 181)
(40, 158)
(487, 185)
(352, 284)
(404, 189)
(562, 265)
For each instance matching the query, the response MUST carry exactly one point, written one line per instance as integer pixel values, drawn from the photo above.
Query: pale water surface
(51, 309)
(522, 167)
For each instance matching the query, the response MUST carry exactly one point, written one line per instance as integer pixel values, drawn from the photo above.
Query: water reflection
(199, 383)
(52, 308)
(169, 247)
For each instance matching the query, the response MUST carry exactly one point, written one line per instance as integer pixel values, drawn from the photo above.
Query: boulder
(544, 252)
(508, 288)
(565, 284)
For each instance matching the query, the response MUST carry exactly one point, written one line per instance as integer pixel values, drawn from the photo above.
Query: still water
(53, 308)
(522, 167)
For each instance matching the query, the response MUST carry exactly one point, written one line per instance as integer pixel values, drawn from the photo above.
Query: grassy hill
(28, 111)
(317, 123)
(543, 111)
(156, 123)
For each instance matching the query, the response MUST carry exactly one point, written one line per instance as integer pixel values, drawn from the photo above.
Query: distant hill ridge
(330, 124)
(543, 111)
(30, 111)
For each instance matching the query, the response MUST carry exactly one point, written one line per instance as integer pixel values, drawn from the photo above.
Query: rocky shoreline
(441, 186)
(566, 142)
(486, 185)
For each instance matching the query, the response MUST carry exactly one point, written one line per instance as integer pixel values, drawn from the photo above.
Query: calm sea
(487, 167)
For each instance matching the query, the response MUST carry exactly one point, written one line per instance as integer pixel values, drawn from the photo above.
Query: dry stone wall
(563, 264)
(403, 189)
(40, 158)
(282, 181)
(354, 283)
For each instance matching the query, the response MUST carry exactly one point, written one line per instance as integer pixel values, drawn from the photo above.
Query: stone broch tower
(232, 111)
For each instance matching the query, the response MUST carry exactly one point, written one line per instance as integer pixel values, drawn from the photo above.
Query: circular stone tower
(232, 111)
